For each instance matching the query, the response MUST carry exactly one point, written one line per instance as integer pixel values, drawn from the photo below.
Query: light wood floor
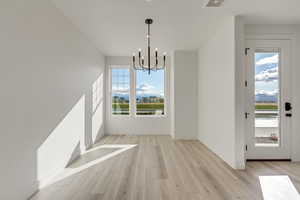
(160, 168)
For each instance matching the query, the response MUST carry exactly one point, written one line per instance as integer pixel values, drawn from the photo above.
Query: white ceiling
(117, 26)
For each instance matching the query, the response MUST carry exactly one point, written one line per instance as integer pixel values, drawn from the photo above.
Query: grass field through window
(266, 110)
(266, 106)
(142, 108)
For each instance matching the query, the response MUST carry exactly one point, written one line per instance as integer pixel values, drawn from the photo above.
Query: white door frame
(285, 150)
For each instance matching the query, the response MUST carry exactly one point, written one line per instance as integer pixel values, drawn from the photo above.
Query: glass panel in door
(267, 99)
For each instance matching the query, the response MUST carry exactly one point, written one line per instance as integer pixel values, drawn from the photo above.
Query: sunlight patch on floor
(278, 188)
(69, 171)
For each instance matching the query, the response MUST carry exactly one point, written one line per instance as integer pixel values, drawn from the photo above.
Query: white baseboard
(47, 179)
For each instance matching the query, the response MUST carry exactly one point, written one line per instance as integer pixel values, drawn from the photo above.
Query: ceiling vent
(213, 3)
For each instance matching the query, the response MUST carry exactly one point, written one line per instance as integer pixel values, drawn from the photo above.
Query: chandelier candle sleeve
(141, 59)
(133, 58)
(156, 60)
(140, 52)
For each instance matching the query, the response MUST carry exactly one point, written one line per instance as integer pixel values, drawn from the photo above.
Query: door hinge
(246, 51)
(246, 83)
(246, 147)
(246, 115)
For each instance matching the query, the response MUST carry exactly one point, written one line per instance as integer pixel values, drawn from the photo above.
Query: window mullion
(132, 92)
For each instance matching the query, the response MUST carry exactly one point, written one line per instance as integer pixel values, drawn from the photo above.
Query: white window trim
(132, 93)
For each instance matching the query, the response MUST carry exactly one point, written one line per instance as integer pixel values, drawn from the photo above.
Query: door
(268, 97)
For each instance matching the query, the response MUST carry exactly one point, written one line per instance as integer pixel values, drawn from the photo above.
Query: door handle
(288, 114)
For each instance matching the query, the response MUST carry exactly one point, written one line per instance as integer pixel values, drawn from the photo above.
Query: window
(137, 92)
(150, 93)
(120, 90)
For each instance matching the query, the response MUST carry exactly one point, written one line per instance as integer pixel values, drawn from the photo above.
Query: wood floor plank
(159, 168)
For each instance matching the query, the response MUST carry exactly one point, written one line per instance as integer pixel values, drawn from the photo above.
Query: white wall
(291, 32)
(47, 72)
(216, 107)
(172, 96)
(239, 92)
(141, 125)
(185, 66)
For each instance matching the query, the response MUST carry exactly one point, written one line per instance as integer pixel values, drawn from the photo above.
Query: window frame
(132, 93)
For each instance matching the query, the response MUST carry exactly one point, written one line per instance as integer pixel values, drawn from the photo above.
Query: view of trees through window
(120, 79)
(150, 95)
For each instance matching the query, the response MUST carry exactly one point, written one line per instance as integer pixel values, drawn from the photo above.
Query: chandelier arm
(134, 66)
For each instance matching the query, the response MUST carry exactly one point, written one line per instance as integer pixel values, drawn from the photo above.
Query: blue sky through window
(146, 85)
(266, 77)
(150, 85)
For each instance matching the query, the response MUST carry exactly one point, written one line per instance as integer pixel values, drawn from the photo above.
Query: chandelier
(141, 65)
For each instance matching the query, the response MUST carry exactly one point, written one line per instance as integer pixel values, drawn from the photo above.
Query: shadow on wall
(77, 131)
